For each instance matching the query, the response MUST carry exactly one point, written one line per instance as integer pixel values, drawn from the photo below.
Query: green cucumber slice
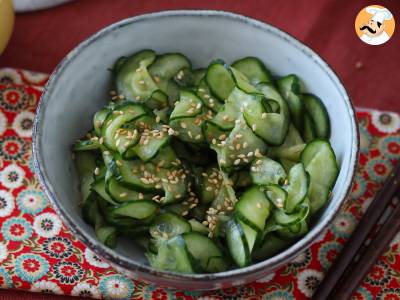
(274, 105)
(271, 127)
(172, 255)
(132, 80)
(120, 193)
(107, 235)
(90, 211)
(293, 138)
(242, 82)
(99, 118)
(135, 174)
(149, 146)
(125, 138)
(289, 87)
(294, 231)
(232, 109)
(198, 75)
(277, 195)
(213, 132)
(100, 188)
(286, 219)
(240, 148)
(85, 165)
(198, 227)
(116, 119)
(189, 130)
(167, 66)
(272, 93)
(237, 243)
(189, 105)
(219, 80)
(176, 188)
(253, 208)
(269, 247)
(318, 114)
(204, 93)
(184, 78)
(208, 183)
(138, 209)
(157, 100)
(205, 251)
(309, 132)
(168, 225)
(287, 164)
(320, 162)
(265, 171)
(165, 158)
(254, 69)
(297, 188)
(249, 233)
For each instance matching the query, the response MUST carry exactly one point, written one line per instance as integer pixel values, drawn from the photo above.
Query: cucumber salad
(205, 169)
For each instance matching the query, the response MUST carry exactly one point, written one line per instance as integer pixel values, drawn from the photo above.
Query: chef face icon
(373, 28)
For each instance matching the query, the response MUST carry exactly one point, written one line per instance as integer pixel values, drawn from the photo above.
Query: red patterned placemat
(38, 253)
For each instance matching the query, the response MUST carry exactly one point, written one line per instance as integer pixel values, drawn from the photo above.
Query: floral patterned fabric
(38, 253)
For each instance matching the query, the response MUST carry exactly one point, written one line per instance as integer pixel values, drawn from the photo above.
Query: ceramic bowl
(79, 87)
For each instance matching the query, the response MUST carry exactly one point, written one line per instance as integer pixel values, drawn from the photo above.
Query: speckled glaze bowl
(79, 87)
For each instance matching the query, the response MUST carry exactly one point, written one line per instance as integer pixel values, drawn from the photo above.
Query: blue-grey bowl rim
(131, 265)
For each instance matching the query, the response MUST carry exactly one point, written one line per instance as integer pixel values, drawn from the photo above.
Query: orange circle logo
(374, 25)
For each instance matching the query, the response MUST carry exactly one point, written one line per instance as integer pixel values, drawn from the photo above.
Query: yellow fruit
(6, 22)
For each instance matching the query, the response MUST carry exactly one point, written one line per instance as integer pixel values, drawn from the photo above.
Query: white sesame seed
(263, 115)
(254, 127)
(124, 194)
(236, 162)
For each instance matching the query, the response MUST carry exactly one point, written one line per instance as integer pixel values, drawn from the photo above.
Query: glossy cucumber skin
(206, 169)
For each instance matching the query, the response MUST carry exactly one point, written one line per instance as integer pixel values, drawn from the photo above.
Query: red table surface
(41, 39)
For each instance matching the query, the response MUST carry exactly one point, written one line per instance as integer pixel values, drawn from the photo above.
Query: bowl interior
(80, 87)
